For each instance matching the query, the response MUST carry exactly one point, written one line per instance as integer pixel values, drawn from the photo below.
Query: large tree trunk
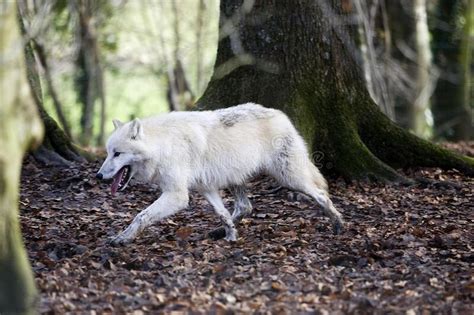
(452, 101)
(20, 127)
(299, 56)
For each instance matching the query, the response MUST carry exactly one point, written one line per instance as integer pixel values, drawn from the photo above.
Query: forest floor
(405, 249)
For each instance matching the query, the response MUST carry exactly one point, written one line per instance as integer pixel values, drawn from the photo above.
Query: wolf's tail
(318, 178)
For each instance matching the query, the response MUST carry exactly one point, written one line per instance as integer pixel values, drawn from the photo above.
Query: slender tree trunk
(199, 28)
(103, 106)
(88, 95)
(89, 69)
(180, 95)
(451, 108)
(467, 51)
(300, 57)
(57, 148)
(176, 32)
(52, 91)
(421, 112)
(20, 127)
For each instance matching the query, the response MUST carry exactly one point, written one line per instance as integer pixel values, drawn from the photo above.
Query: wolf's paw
(119, 240)
(231, 239)
(338, 227)
(231, 236)
(217, 234)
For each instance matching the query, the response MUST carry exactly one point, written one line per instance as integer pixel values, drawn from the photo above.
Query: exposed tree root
(426, 182)
(49, 157)
(399, 148)
(366, 166)
(56, 145)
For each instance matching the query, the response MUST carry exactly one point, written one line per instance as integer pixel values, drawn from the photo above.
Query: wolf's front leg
(168, 204)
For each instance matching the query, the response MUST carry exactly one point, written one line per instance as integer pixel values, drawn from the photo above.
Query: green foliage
(126, 98)
(136, 41)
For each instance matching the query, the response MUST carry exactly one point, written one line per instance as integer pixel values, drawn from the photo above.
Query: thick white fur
(208, 151)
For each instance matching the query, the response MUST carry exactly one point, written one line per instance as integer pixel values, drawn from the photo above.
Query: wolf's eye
(116, 154)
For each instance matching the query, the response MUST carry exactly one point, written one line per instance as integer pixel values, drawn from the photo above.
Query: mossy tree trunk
(299, 56)
(20, 127)
(57, 148)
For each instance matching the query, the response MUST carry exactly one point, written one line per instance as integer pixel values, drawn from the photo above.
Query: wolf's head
(125, 150)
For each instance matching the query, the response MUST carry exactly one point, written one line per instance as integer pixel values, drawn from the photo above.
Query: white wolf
(208, 151)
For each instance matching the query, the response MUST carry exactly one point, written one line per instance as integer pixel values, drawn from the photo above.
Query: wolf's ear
(136, 129)
(117, 123)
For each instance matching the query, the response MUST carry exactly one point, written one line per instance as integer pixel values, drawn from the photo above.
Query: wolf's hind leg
(323, 199)
(169, 203)
(242, 208)
(242, 204)
(216, 201)
(301, 179)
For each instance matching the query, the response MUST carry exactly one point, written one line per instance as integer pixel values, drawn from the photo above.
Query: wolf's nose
(99, 176)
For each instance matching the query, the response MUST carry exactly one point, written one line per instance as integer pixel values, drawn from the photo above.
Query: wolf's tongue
(117, 179)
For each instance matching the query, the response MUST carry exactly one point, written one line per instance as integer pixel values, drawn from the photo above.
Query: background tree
(300, 57)
(56, 148)
(397, 60)
(39, 49)
(180, 96)
(199, 30)
(451, 29)
(89, 77)
(20, 128)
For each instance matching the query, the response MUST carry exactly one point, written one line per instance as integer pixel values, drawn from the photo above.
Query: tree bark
(20, 128)
(299, 57)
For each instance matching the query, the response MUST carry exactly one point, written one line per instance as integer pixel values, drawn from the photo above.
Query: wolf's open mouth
(121, 179)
